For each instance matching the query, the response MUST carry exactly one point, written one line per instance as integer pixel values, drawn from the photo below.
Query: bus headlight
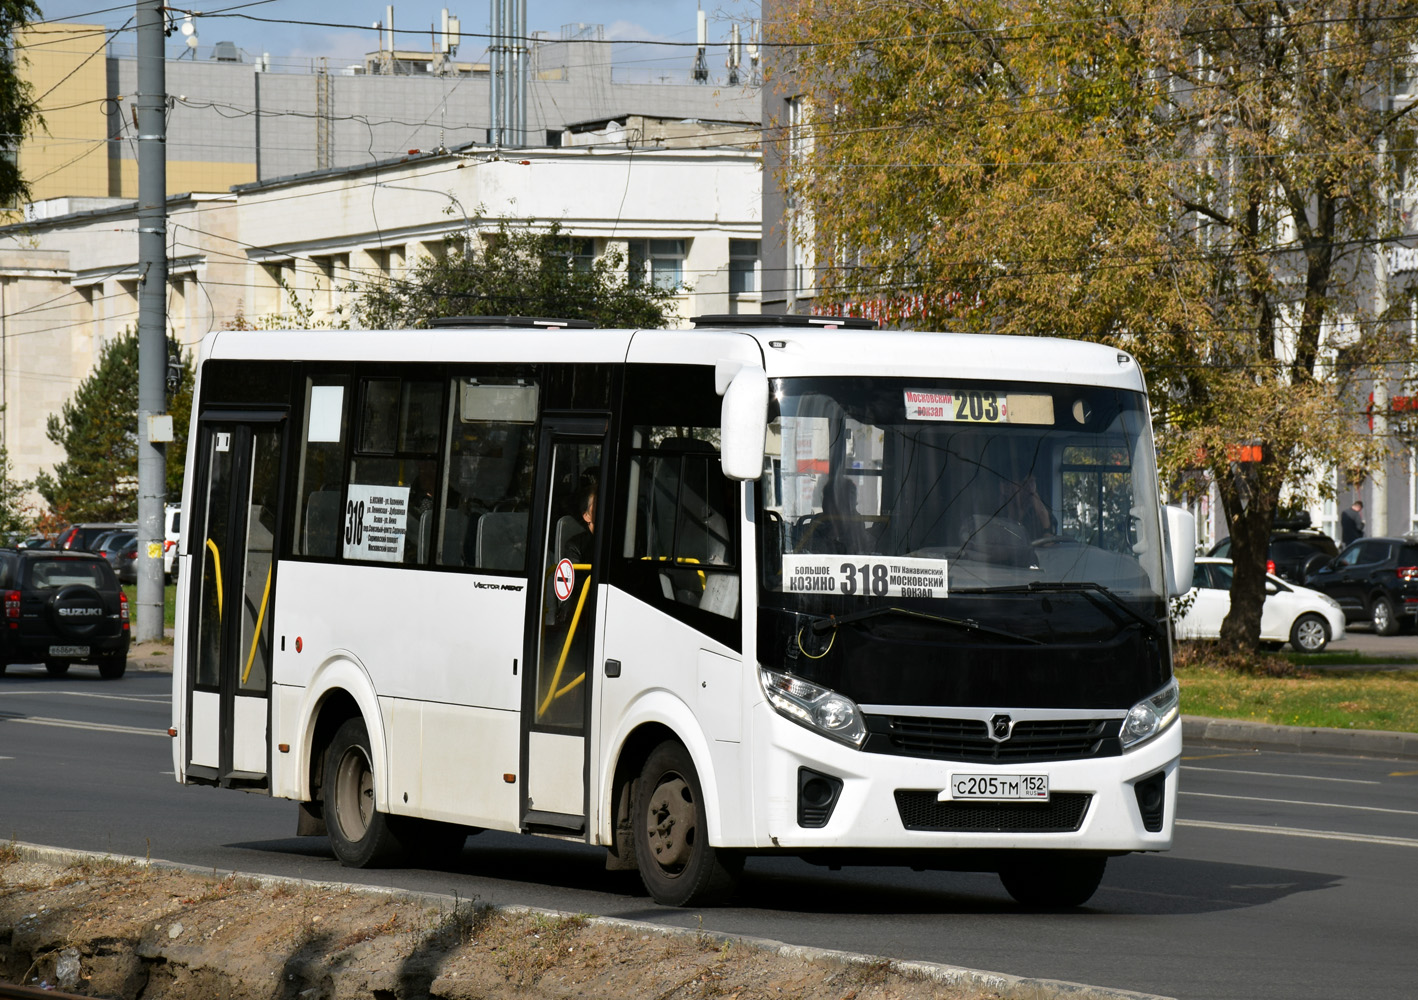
(1149, 717)
(818, 708)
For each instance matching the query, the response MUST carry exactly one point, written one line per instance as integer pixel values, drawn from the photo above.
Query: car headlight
(1330, 601)
(818, 708)
(1152, 715)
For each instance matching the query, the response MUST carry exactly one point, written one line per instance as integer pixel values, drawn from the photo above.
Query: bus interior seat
(567, 528)
(322, 523)
(502, 540)
(455, 533)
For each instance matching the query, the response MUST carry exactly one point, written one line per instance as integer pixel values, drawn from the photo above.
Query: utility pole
(1377, 514)
(154, 425)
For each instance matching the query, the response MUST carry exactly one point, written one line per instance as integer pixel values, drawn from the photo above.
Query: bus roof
(785, 351)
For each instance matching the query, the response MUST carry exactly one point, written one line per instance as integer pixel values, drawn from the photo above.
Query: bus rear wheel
(1054, 880)
(677, 863)
(360, 834)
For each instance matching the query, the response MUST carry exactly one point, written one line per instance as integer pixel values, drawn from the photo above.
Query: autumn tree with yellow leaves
(1200, 185)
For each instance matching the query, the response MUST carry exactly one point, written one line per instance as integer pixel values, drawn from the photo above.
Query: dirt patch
(126, 930)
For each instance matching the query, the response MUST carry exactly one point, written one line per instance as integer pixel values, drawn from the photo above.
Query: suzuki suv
(62, 608)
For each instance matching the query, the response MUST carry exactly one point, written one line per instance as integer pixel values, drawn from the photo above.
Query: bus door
(238, 503)
(562, 628)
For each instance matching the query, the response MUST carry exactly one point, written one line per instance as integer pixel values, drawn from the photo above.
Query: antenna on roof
(700, 73)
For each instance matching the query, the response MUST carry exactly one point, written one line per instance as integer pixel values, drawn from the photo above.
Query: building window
(660, 262)
(743, 267)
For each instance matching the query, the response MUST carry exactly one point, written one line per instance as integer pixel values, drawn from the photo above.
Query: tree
(1195, 184)
(520, 270)
(98, 430)
(19, 114)
(14, 516)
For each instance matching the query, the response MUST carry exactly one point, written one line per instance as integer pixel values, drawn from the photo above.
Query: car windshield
(891, 491)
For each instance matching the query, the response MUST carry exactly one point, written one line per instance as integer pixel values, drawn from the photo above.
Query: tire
(1054, 880)
(110, 668)
(56, 668)
(1383, 617)
(677, 863)
(360, 835)
(1310, 633)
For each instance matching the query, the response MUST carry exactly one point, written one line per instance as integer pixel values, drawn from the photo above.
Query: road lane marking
(1216, 756)
(1277, 774)
(97, 727)
(1297, 802)
(145, 699)
(1290, 831)
(1402, 774)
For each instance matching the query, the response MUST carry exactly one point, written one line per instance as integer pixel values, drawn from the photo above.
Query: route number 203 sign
(865, 576)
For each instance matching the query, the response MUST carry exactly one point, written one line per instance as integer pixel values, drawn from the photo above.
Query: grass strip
(1351, 699)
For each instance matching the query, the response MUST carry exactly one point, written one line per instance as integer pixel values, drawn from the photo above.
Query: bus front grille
(968, 739)
(919, 810)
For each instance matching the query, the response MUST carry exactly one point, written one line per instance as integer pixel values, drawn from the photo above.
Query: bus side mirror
(744, 424)
(1179, 528)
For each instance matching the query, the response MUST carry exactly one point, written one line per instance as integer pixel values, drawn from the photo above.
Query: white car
(1305, 618)
(172, 533)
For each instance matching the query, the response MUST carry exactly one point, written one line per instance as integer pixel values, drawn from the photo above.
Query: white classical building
(69, 275)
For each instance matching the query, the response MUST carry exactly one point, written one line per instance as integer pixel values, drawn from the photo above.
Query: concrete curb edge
(1005, 986)
(1236, 734)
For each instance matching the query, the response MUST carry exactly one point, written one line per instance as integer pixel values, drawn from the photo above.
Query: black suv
(1374, 580)
(1295, 552)
(62, 608)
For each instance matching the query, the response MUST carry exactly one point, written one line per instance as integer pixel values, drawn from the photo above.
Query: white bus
(766, 586)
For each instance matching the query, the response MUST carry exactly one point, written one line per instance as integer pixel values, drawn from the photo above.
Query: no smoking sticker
(564, 579)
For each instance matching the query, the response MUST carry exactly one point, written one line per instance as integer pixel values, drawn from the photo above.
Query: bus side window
(686, 516)
(488, 473)
(321, 480)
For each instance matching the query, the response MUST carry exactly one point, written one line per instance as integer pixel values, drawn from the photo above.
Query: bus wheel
(359, 833)
(677, 863)
(1053, 880)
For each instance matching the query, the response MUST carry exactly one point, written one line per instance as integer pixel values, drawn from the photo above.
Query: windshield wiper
(969, 624)
(1085, 587)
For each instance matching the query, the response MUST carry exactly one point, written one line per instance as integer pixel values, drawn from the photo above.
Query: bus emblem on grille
(1001, 726)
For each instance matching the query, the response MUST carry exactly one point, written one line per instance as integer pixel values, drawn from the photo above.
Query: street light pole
(154, 425)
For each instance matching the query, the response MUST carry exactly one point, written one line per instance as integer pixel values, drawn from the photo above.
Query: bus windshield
(944, 495)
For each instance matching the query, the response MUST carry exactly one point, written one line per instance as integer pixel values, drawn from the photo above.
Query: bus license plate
(68, 650)
(1031, 787)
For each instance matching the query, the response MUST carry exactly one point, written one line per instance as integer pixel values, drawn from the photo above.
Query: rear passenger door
(237, 519)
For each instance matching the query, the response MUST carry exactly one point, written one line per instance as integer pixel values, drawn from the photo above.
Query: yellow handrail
(260, 617)
(552, 692)
(217, 558)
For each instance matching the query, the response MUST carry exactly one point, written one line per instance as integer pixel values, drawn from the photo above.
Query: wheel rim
(670, 821)
(1380, 616)
(1311, 635)
(354, 794)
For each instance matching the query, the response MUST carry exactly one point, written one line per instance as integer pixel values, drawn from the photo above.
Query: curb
(1233, 733)
(997, 984)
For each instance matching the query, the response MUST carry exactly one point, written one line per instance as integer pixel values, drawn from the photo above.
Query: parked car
(62, 608)
(81, 537)
(172, 534)
(1305, 618)
(1374, 580)
(1294, 553)
(110, 542)
(125, 561)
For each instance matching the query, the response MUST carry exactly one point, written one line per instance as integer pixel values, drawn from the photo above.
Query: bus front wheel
(1054, 880)
(360, 834)
(677, 863)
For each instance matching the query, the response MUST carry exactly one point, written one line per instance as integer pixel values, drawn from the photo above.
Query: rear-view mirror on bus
(1180, 527)
(744, 419)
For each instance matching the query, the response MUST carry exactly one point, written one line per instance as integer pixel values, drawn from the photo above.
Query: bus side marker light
(511, 779)
(172, 733)
(283, 747)
(298, 644)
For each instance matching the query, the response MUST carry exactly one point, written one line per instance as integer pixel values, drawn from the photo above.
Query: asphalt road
(1293, 877)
